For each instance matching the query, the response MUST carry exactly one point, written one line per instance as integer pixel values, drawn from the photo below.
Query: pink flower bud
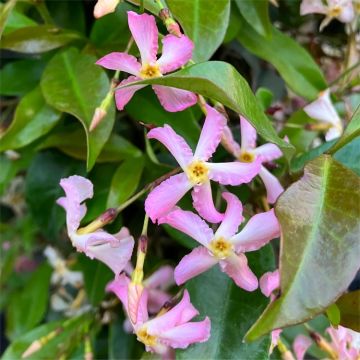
(104, 7)
(99, 114)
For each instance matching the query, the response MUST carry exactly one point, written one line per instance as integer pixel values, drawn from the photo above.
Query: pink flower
(248, 152)
(176, 52)
(225, 247)
(113, 250)
(343, 342)
(104, 7)
(301, 345)
(170, 329)
(197, 171)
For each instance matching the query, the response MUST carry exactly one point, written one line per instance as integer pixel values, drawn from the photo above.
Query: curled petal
(137, 304)
(268, 152)
(229, 142)
(275, 336)
(248, 135)
(333, 133)
(259, 230)
(120, 287)
(104, 7)
(312, 6)
(120, 61)
(301, 344)
(156, 300)
(269, 282)
(273, 187)
(162, 278)
(193, 264)
(173, 99)
(124, 95)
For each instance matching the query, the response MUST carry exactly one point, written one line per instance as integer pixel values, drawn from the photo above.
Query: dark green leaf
(349, 155)
(5, 13)
(319, 218)
(349, 307)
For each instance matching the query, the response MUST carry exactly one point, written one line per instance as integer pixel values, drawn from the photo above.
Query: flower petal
(190, 224)
(204, 204)
(275, 336)
(176, 144)
(193, 264)
(145, 33)
(120, 61)
(229, 142)
(347, 13)
(273, 187)
(162, 278)
(232, 218)
(156, 300)
(269, 282)
(312, 6)
(268, 152)
(119, 287)
(124, 95)
(301, 344)
(173, 99)
(259, 230)
(248, 135)
(104, 7)
(236, 266)
(233, 173)
(176, 52)
(333, 133)
(165, 196)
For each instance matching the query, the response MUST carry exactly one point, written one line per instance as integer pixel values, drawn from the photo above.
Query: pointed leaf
(349, 307)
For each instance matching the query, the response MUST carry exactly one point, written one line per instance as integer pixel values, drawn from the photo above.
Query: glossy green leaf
(33, 118)
(37, 39)
(349, 307)
(74, 84)
(231, 310)
(5, 12)
(319, 218)
(17, 20)
(205, 25)
(221, 82)
(333, 314)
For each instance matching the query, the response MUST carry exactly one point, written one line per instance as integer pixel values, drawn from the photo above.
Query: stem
(44, 12)
(131, 200)
(159, 4)
(346, 72)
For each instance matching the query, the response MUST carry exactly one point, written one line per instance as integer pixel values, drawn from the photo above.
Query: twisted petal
(165, 196)
(176, 144)
(301, 344)
(173, 99)
(273, 187)
(162, 278)
(312, 6)
(268, 152)
(229, 142)
(193, 264)
(204, 204)
(124, 95)
(176, 52)
(210, 136)
(119, 287)
(248, 135)
(145, 33)
(232, 218)
(259, 230)
(156, 300)
(269, 282)
(236, 266)
(120, 61)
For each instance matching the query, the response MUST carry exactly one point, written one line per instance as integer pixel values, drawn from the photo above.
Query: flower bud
(99, 114)
(104, 7)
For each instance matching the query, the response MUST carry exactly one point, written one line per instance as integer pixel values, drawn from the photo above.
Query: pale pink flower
(113, 250)
(248, 153)
(170, 329)
(343, 341)
(104, 7)
(226, 246)
(301, 345)
(176, 52)
(197, 172)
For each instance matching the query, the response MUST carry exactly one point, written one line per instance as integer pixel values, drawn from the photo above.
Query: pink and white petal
(236, 266)
(229, 143)
(165, 196)
(301, 345)
(122, 233)
(312, 6)
(348, 13)
(175, 143)
(259, 230)
(193, 264)
(176, 52)
(275, 336)
(180, 337)
(190, 224)
(124, 95)
(273, 186)
(162, 278)
(204, 204)
(269, 282)
(233, 173)
(334, 133)
(120, 287)
(248, 135)
(120, 61)
(173, 99)
(211, 133)
(268, 152)
(145, 33)
(233, 217)
(104, 7)
(137, 304)
(156, 300)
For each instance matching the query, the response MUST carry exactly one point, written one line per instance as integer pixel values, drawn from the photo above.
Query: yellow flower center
(221, 248)
(146, 338)
(150, 71)
(357, 6)
(246, 157)
(197, 172)
(335, 11)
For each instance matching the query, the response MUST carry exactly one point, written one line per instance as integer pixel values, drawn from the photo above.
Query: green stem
(44, 12)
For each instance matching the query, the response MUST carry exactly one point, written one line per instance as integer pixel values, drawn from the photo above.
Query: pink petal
(137, 304)
(145, 33)
(301, 344)
(275, 336)
(176, 144)
(233, 173)
(248, 135)
(210, 136)
(268, 152)
(104, 7)
(347, 14)
(120, 61)
(333, 133)
(176, 52)
(162, 278)
(119, 287)
(259, 230)
(269, 282)
(204, 204)
(193, 264)
(233, 217)
(312, 6)
(173, 99)
(273, 187)
(236, 266)
(229, 143)
(190, 224)
(124, 95)
(156, 300)
(165, 196)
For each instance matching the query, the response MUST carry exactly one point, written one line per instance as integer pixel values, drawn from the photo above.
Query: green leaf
(256, 14)
(37, 39)
(319, 218)
(205, 25)
(349, 307)
(349, 155)
(221, 82)
(333, 314)
(74, 84)
(33, 118)
(292, 61)
(5, 13)
(17, 20)
(231, 310)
